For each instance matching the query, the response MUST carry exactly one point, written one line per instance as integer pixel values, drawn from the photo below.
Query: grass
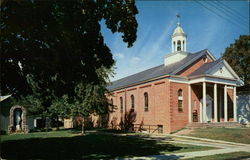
(240, 135)
(227, 156)
(67, 144)
(51, 134)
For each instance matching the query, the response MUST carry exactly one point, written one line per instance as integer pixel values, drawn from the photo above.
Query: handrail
(148, 127)
(143, 127)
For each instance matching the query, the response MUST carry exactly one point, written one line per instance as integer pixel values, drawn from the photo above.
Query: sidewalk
(223, 147)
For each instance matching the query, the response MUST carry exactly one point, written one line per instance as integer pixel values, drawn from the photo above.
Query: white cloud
(135, 59)
(119, 55)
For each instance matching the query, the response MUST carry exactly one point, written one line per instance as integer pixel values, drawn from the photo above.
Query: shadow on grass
(90, 146)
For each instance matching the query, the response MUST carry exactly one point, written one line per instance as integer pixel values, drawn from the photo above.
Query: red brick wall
(196, 94)
(230, 104)
(158, 109)
(196, 65)
(178, 119)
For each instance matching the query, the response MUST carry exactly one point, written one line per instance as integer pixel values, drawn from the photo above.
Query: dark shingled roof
(155, 72)
(204, 68)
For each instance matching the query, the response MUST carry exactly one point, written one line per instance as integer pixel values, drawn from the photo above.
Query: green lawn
(240, 135)
(95, 145)
(227, 156)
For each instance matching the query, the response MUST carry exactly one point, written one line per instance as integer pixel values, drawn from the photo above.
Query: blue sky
(157, 21)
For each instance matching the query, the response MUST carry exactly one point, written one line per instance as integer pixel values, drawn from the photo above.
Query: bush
(2, 132)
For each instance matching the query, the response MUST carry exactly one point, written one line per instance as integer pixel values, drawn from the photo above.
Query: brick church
(189, 88)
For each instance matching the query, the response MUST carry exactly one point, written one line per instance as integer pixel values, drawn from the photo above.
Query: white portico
(215, 89)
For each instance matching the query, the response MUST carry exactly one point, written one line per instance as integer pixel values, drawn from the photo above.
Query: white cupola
(179, 39)
(179, 42)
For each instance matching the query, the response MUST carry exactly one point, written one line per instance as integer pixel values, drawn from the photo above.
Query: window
(132, 103)
(205, 59)
(180, 101)
(195, 105)
(145, 101)
(121, 104)
(221, 69)
(174, 46)
(179, 45)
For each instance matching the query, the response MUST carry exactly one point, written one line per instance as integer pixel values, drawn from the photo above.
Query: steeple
(179, 38)
(179, 42)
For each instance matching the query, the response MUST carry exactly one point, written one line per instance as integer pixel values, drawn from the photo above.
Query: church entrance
(206, 116)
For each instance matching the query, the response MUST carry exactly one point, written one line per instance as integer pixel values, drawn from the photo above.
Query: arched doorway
(208, 116)
(18, 120)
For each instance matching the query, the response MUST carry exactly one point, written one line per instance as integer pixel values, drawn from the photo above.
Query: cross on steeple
(179, 38)
(178, 18)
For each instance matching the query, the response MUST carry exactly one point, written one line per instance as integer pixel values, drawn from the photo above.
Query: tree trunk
(83, 130)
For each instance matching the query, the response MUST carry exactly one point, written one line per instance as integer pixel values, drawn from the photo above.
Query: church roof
(4, 97)
(204, 68)
(157, 71)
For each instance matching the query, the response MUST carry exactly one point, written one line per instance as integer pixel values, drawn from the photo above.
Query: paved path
(223, 147)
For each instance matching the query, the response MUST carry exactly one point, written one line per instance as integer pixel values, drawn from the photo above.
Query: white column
(225, 103)
(215, 104)
(221, 99)
(185, 46)
(235, 105)
(204, 105)
(201, 113)
(173, 46)
(189, 104)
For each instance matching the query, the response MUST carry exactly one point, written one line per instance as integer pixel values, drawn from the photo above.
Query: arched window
(132, 103)
(179, 45)
(121, 104)
(195, 108)
(180, 101)
(205, 59)
(112, 104)
(145, 101)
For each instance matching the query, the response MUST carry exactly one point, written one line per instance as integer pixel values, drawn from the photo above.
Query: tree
(60, 108)
(238, 56)
(50, 47)
(91, 98)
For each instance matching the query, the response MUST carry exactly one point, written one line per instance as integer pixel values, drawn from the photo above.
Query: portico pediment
(217, 69)
(222, 70)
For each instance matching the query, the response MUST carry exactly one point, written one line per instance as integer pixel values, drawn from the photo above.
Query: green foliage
(53, 49)
(31, 103)
(61, 108)
(89, 99)
(238, 56)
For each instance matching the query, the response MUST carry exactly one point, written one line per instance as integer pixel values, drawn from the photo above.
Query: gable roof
(204, 68)
(4, 97)
(158, 71)
(208, 68)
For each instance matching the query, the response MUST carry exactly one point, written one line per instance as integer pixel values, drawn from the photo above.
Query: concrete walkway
(223, 147)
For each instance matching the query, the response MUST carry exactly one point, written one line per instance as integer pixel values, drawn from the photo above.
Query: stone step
(206, 125)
